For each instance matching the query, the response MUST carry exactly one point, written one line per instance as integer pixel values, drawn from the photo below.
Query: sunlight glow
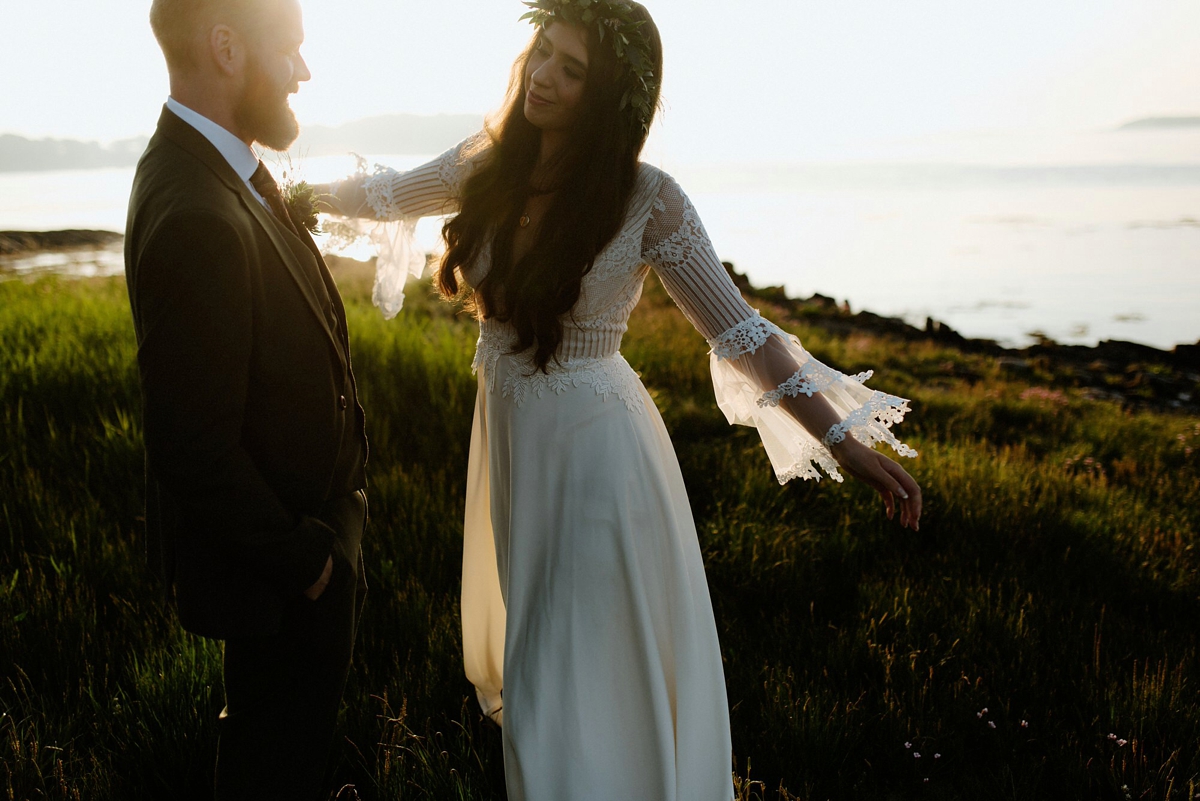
(804, 79)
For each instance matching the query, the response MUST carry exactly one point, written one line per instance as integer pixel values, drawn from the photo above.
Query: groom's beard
(264, 113)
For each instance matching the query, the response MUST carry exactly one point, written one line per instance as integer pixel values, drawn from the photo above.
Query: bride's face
(555, 76)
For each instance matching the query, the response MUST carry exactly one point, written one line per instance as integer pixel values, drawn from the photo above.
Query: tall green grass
(1054, 581)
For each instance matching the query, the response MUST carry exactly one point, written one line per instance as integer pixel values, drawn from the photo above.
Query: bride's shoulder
(468, 153)
(658, 182)
(475, 146)
(458, 163)
(649, 175)
(657, 179)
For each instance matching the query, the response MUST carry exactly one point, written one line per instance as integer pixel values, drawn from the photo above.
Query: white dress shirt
(239, 155)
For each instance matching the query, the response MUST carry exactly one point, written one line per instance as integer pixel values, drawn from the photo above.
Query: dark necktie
(266, 186)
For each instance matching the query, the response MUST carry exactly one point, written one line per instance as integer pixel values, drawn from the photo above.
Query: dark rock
(739, 279)
(1188, 354)
(12, 242)
(1014, 365)
(823, 301)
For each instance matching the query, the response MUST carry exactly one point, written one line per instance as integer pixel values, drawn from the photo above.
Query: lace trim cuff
(746, 337)
(380, 188)
(811, 457)
(871, 424)
(810, 379)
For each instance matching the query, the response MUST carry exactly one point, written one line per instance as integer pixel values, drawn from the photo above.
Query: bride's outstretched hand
(345, 198)
(325, 198)
(885, 476)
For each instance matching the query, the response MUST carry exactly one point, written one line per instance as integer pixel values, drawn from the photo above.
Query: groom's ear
(227, 49)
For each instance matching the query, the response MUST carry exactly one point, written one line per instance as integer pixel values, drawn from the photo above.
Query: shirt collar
(239, 155)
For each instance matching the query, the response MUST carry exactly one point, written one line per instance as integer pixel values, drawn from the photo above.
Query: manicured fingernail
(904, 495)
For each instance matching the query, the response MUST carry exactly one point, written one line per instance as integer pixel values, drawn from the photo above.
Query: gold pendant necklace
(525, 219)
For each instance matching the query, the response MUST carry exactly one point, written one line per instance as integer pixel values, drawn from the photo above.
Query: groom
(255, 443)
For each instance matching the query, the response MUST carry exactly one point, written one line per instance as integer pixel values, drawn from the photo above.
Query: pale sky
(790, 80)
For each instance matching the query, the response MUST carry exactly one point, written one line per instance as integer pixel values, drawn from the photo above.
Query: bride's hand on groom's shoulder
(345, 198)
(885, 476)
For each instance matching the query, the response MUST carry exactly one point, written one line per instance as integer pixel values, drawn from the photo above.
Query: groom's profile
(255, 443)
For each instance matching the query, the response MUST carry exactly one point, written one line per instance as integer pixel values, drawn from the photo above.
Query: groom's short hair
(180, 26)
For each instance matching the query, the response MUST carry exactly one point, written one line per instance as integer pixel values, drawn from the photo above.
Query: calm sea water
(1079, 254)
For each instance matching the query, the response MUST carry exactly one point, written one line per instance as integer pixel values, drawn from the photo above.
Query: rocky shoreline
(1135, 375)
(16, 243)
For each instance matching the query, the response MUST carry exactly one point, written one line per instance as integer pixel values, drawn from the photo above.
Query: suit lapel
(194, 142)
(278, 236)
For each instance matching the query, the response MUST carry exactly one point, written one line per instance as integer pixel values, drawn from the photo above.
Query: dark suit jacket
(246, 387)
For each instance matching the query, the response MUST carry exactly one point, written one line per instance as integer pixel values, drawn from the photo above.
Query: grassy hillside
(1036, 640)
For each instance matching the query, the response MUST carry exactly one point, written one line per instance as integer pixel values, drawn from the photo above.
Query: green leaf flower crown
(614, 23)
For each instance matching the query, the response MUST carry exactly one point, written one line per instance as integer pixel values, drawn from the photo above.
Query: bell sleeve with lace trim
(395, 200)
(762, 375)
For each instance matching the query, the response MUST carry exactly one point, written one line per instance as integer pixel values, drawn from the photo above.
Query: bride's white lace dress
(587, 625)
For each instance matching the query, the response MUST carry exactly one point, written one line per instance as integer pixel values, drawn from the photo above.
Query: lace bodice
(759, 370)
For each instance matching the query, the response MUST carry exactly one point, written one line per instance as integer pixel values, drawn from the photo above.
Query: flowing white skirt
(587, 624)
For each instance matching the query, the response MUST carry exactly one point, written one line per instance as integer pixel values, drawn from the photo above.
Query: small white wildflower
(937, 756)
(1024, 724)
(908, 745)
(916, 755)
(1121, 743)
(1112, 736)
(991, 725)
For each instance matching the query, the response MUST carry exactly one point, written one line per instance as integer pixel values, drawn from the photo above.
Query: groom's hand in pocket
(314, 592)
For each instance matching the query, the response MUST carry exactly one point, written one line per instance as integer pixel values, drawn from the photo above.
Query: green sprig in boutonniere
(614, 23)
(299, 196)
(301, 201)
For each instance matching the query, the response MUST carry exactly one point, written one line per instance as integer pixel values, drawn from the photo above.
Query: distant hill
(18, 154)
(390, 134)
(396, 134)
(1161, 123)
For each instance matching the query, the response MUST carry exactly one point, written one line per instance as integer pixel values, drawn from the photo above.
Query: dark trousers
(282, 692)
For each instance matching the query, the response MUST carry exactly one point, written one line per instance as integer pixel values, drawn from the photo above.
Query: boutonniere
(300, 198)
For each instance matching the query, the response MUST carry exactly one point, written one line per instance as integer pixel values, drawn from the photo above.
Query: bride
(587, 626)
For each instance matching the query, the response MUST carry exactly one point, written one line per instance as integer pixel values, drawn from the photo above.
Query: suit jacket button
(342, 401)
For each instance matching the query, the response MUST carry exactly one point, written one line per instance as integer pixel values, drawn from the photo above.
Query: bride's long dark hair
(598, 169)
